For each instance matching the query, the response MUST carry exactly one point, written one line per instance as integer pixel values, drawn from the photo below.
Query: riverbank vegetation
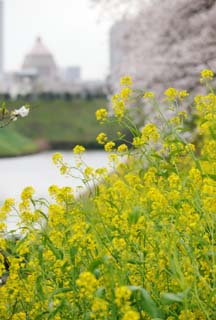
(56, 123)
(142, 245)
(11, 142)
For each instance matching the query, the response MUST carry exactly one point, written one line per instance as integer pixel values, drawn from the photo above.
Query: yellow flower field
(142, 245)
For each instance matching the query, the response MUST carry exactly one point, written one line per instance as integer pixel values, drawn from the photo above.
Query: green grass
(54, 124)
(13, 143)
(63, 123)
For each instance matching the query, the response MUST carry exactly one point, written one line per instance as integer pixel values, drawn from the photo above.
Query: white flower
(23, 112)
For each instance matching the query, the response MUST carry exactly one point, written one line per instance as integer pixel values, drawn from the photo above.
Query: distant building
(72, 74)
(40, 73)
(40, 60)
(1, 38)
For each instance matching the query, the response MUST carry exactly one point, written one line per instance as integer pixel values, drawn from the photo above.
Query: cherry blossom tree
(167, 43)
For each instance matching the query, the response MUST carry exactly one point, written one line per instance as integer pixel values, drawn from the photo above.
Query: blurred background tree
(161, 43)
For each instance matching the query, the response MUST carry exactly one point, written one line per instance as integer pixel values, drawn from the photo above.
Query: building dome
(41, 60)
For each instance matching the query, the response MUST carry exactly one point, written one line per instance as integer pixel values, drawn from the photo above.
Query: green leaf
(43, 214)
(73, 252)
(57, 252)
(95, 264)
(56, 310)
(169, 298)
(147, 303)
(39, 287)
(40, 316)
(134, 215)
(213, 133)
(212, 176)
(100, 293)
(60, 290)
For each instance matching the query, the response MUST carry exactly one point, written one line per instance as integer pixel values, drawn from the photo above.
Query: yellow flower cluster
(183, 94)
(119, 109)
(99, 309)
(148, 95)
(102, 138)
(57, 159)
(119, 101)
(173, 94)
(206, 74)
(142, 246)
(125, 93)
(109, 146)
(148, 133)
(131, 315)
(122, 296)
(101, 114)
(126, 81)
(87, 284)
(5, 209)
(27, 193)
(122, 148)
(78, 149)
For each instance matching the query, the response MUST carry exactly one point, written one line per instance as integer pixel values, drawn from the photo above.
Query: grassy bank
(13, 143)
(61, 123)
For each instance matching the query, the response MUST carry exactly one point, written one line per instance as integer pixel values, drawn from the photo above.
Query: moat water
(39, 171)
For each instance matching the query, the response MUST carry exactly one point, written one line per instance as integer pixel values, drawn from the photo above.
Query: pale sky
(71, 29)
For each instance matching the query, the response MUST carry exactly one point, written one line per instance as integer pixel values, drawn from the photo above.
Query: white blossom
(167, 44)
(23, 112)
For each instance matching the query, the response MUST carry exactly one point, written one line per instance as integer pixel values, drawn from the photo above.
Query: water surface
(39, 171)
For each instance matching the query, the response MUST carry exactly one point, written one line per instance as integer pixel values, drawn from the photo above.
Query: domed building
(41, 61)
(39, 73)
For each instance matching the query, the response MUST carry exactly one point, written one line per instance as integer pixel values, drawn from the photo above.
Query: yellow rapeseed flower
(122, 148)
(78, 149)
(150, 132)
(101, 171)
(99, 306)
(171, 94)
(149, 95)
(206, 74)
(6, 208)
(125, 93)
(102, 138)
(101, 114)
(183, 94)
(87, 284)
(109, 146)
(126, 81)
(64, 169)
(190, 147)
(122, 295)
(57, 157)
(131, 315)
(89, 171)
(19, 316)
(115, 97)
(119, 109)
(27, 193)
(138, 142)
(187, 314)
(53, 190)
